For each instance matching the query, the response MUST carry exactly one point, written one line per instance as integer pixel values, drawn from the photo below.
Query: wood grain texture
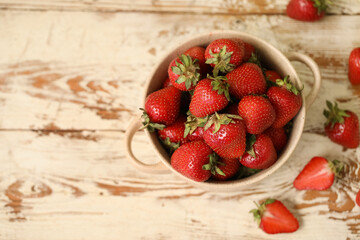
(69, 83)
(104, 193)
(104, 61)
(175, 6)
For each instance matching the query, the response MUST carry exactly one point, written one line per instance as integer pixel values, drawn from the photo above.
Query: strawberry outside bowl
(274, 59)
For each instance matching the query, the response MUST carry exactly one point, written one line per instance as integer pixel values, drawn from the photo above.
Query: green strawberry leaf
(220, 85)
(269, 201)
(218, 120)
(221, 61)
(334, 114)
(170, 145)
(321, 5)
(212, 166)
(250, 145)
(192, 123)
(337, 167)
(188, 69)
(288, 85)
(148, 124)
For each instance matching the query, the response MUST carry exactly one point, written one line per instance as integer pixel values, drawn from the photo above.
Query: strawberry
(196, 135)
(286, 100)
(161, 107)
(273, 217)
(257, 112)
(354, 66)
(232, 109)
(248, 48)
(246, 79)
(358, 198)
(342, 126)
(166, 83)
(173, 135)
(318, 174)
(224, 55)
(272, 75)
(184, 72)
(278, 137)
(226, 135)
(230, 167)
(249, 51)
(260, 152)
(190, 158)
(210, 95)
(194, 127)
(199, 54)
(306, 10)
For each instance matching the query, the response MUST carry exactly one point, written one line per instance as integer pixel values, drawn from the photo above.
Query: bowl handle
(135, 125)
(295, 56)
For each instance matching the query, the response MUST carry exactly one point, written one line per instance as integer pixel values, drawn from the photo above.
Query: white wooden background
(70, 76)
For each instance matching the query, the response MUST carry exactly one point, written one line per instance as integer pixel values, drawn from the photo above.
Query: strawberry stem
(221, 61)
(220, 119)
(188, 70)
(148, 124)
(334, 114)
(288, 85)
(251, 139)
(170, 145)
(321, 5)
(212, 166)
(220, 85)
(336, 167)
(192, 123)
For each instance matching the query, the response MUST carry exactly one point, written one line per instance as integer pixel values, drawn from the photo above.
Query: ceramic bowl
(274, 60)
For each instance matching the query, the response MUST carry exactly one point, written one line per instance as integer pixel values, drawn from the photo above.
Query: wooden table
(71, 77)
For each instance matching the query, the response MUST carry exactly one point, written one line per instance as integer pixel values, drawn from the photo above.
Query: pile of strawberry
(220, 113)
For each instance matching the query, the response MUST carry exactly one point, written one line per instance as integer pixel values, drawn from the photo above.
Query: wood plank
(175, 6)
(78, 183)
(64, 70)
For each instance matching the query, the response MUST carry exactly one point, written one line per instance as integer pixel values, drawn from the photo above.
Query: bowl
(274, 60)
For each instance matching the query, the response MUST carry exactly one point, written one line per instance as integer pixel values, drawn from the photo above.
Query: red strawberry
(272, 75)
(306, 10)
(246, 79)
(342, 126)
(224, 55)
(194, 127)
(358, 198)
(199, 54)
(286, 100)
(318, 174)
(230, 167)
(232, 109)
(273, 217)
(260, 152)
(209, 96)
(249, 51)
(190, 158)
(226, 135)
(196, 135)
(278, 137)
(354, 66)
(173, 135)
(166, 83)
(162, 107)
(257, 112)
(184, 72)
